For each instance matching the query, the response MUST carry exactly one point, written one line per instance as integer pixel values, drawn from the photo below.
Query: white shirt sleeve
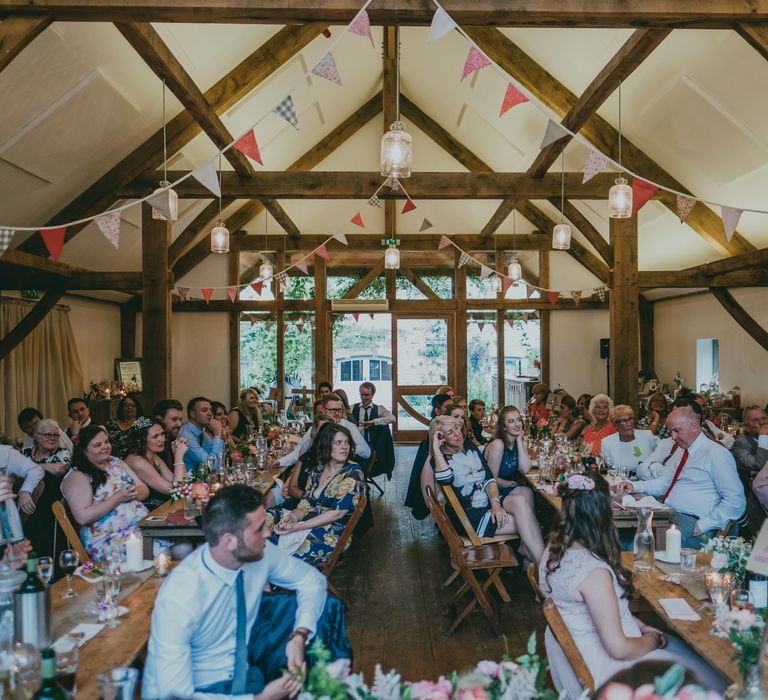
(25, 468)
(385, 416)
(293, 456)
(362, 448)
(726, 480)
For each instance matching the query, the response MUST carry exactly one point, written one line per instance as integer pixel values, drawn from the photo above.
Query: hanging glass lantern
(173, 202)
(396, 152)
(266, 271)
(620, 200)
(561, 237)
(220, 238)
(392, 257)
(514, 269)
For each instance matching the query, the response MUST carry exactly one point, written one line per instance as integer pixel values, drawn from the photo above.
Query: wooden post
(233, 275)
(156, 307)
(128, 329)
(500, 331)
(646, 335)
(546, 374)
(280, 334)
(322, 330)
(624, 311)
(460, 289)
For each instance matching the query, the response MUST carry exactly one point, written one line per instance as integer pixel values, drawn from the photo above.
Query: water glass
(44, 567)
(112, 584)
(67, 658)
(719, 586)
(118, 684)
(688, 559)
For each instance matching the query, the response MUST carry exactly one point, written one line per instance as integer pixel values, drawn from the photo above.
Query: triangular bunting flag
(283, 286)
(371, 315)
(442, 23)
(109, 225)
(476, 60)
(252, 318)
(258, 287)
(529, 290)
(340, 237)
(684, 206)
(554, 132)
(356, 316)
(464, 258)
(409, 206)
(208, 176)
(6, 236)
(485, 271)
(247, 144)
(506, 283)
(553, 297)
(731, 218)
(326, 68)
(322, 251)
(162, 202)
(536, 313)
(232, 293)
(357, 220)
(642, 191)
(183, 293)
(511, 322)
(426, 224)
(524, 317)
(576, 294)
(512, 97)
(596, 161)
(374, 201)
(444, 242)
(207, 294)
(300, 326)
(287, 111)
(600, 291)
(54, 240)
(268, 324)
(302, 265)
(480, 325)
(361, 25)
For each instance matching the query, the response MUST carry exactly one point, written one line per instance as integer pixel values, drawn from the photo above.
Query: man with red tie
(704, 489)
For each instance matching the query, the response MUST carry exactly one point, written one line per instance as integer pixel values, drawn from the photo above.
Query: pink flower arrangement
(441, 689)
(542, 423)
(621, 691)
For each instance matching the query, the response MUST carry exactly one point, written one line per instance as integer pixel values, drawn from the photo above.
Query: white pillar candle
(134, 552)
(674, 539)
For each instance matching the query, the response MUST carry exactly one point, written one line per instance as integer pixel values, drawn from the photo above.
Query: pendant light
(220, 233)
(561, 233)
(391, 254)
(397, 143)
(514, 269)
(173, 198)
(266, 270)
(620, 195)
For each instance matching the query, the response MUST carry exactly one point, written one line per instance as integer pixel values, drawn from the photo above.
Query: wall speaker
(605, 348)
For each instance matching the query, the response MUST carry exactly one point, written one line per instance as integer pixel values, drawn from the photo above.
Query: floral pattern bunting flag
(357, 220)
(409, 206)
(684, 206)
(208, 177)
(596, 162)
(183, 293)
(553, 297)
(109, 225)
(553, 133)
(287, 111)
(512, 98)
(326, 68)
(340, 237)
(576, 296)
(425, 225)
(731, 218)
(444, 242)
(54, 240)
(642, 191)
(374, 201)
(232, 293)
(258, 287)
(464, 259)
(302, 265)
(476, 60)
(321, 251)
(247, 144)
(6, 236)
(207, 294)
(485, 271)
(393, 183)
(361, 25)
(442, 23)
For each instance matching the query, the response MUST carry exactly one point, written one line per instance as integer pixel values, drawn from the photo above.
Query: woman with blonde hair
(600, 407)
(448, 390)
(246, 417)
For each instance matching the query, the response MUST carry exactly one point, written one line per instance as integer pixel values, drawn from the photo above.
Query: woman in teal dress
(332, 493)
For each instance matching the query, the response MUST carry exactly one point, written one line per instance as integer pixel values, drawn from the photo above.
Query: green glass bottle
(31, 584)
(49, 688)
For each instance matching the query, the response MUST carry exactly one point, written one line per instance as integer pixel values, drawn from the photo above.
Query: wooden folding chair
(328, 567)
(533, 579)
(61, 513)
(565, 640)
(369, 480)
(35, 498)
(491, 558)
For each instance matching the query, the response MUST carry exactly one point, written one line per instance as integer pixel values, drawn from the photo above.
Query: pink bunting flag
(247, 144)
(208, 177)
(268, 324)
(326, 68)
(529, 290)
(596, 162)
(476, 60)
(576, 295)
(442, 23)
(232, 293)
(731, 218)
(506, 283)
(409, 206)
(426, 224)
(258, 287)
(321, 251)
(183, 293)
(684, 207)
(340, 237)
(302, 265)
(357, 220)
(207, 294)
(553, 297)
(361, 25)
(54, 240)
(485, 271)
(642, 191)
(109, 225)
(444, 242)
(512, 97)
(356, 316)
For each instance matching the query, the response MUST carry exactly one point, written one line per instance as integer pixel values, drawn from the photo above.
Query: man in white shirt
(205, 610)
(13, 463)
(626, 448)
(374, 421)
(704, 489)
(665, 457)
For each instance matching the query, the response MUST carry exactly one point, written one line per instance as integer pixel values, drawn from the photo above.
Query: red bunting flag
(553, 297)
(444, 242)
(356, 316)
(409, 206)
(258, 287)
(506, 283)
(529, 290)
(322, 251)
(512, 97)
(642, 191)
(357, 220)
(476, 60)
(247, 144)
(232, 293)
(54, 240)
(207, 293)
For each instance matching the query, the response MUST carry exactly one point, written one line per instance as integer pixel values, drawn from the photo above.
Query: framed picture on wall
(128, 373)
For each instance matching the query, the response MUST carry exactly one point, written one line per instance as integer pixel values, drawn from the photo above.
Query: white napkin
(87, 629)
(679, 609)
(291, 541)
(645, 502)
(546, 488)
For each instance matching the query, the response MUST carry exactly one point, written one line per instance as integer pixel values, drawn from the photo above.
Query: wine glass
(68, 561)
(44, 567)
(112, 583)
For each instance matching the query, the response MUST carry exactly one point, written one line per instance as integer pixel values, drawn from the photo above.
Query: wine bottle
(32, 601)
(49, 688)
(31, 584)
(758, 588)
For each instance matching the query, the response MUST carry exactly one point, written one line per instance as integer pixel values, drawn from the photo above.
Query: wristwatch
(300, 632)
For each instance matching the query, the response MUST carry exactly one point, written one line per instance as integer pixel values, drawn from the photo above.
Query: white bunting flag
(596, 161)
(326, 68)
(287, 111)
(731, 218)
(485, 271)
(554, 132)
(109, 225)
(340, 237)
(6, 236)
(162, 202)
(442, 23)
(208, 177)
(302, 265)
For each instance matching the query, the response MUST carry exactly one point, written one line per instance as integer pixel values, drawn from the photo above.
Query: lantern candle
(674, 539)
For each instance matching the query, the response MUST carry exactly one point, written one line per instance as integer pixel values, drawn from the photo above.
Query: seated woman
(582, 404)
(568, 420)
(245, 419)
(145, 449)
(507, 456)
(103, 494)
(47, 452)
(537, 406)
(220, 414)
(581, 571)
(460, 414)
(600, 407)
(655, 418)
(128, 411)
(333, 491)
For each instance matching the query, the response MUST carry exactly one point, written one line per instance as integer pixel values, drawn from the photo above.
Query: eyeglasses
(334, 410)
(50, 436)
(624, 420)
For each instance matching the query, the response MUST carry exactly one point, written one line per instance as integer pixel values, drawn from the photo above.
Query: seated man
(323, 389)
(704, 489)
(627, 447)
(79, 415)
(170, 413)
(374, 421)
(201, 445)
(208, 606)
(28, 419)
(13, 463)
(751, 447)
(709, 427)
(666, 456)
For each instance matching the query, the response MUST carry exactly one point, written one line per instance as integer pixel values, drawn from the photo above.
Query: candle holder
(162, 564)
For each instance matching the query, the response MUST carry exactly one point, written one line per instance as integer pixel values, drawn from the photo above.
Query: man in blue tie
(195, 430)
(206, 609)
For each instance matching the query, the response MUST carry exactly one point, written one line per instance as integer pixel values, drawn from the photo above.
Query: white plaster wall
(96, 328)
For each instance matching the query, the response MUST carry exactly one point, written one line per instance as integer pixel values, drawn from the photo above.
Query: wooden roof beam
(740, 315)
(16, 33)
(737, 262)
(504, 209)
(31, 320)
(684, 278)
(281, 217)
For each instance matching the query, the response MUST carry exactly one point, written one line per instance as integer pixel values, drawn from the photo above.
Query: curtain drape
(43, 371)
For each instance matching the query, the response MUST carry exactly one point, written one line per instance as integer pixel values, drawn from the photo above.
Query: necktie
(241, 651)
(201, 438)
(365, 417)
(675, 477)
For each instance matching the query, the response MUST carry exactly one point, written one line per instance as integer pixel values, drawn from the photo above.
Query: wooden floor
(391, 580)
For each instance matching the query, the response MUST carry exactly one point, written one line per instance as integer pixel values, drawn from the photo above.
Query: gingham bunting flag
(442, 23)
(361, 25)
(554, 132)
(183, 293)
(444, 242)
(281, 277)
(600, 291)
(642, 191)
(6, 236)
(357, 220)
(576, 295)
(426, 224)
(232, 293)
(485, 271)
(340, 237)
(109, 225)
(374, 201)
(207, 294)
(302, 265)
(595, 163)
(476, 60)
(247, 144)
(287, 110)
(208, 177)
(684, 206)
(512, 97)
(731, 218)
(464, 258)
(326, 68)
(54, 240)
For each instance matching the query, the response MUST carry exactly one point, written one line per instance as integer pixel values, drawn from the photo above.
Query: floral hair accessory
(141, 423)
(576, 482)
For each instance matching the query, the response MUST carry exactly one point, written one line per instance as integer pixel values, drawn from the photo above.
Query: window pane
(522, 351)
(375, 370)
(258, 352)
(386, 372)
(422, 351)
(299, 351)
(346, 373)
(357, 370)
(482, 368)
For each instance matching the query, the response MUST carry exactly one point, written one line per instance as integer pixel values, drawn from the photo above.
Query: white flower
(385, 686)
(719, 560)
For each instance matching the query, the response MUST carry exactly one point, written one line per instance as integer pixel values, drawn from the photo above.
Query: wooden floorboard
(391, 580)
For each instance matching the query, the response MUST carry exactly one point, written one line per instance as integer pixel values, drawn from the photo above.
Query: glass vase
(644, 551)
(751, 686)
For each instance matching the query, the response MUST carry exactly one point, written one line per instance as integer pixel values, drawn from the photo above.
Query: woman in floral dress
(331, 496)
(103, 494)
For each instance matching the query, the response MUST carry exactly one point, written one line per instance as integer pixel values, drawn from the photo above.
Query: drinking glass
(688, 559)
(741, 599)
(118, 684)
(45, 569)
(112, 584)
(23, 663)
(67, 657)
(719, 587)
(68, 561)
(11, 529)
